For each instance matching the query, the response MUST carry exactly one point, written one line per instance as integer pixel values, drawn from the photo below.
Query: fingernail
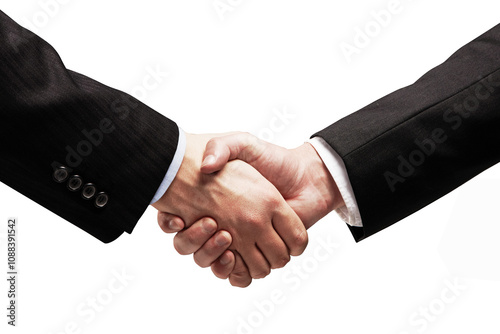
(173, 225)
(224, 259)
(220, 240)
(208, 160)
(208, 227)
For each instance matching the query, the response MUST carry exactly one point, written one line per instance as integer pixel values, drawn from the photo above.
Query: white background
(229, 73)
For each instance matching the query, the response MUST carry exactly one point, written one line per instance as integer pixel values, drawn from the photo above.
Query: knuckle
(261, 274)
(281, 262)
(255, 222)
(276, 202)
(191, 237)
(240, 274)
(188, 239)
(213, 141)
(244, 135)
(272, 199)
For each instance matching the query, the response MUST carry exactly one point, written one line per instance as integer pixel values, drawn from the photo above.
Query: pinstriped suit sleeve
(52, 117)
(417, 144)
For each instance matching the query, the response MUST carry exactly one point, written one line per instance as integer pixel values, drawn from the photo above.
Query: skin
(248, 209)
(299, 175)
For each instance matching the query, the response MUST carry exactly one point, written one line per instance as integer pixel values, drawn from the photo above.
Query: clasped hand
(242, 205)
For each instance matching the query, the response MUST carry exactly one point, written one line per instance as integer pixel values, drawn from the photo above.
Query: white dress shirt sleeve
(335, 165)
(173, 168)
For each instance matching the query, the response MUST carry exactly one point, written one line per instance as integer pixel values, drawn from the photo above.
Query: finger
(191, 239)
(256, 262)
(240, 276)
(212, 249)
(291, 229)
(224, 265)
(220, 150)
(170, 223)
(274, 249)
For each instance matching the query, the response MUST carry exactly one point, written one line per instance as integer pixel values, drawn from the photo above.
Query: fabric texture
(417, 144)
(52, 116)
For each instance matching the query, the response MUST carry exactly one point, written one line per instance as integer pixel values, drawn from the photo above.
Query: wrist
(183, 189)
(321, 179)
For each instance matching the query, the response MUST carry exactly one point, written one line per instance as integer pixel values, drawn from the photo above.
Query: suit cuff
(173, 168)
(349, 212)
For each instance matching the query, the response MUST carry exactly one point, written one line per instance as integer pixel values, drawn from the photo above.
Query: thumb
(220, 150)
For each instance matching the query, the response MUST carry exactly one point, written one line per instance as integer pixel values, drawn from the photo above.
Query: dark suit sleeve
(51, 117)
(417, 144)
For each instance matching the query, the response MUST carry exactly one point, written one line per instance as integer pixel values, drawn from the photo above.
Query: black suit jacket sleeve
(51, 116)
(415, 145)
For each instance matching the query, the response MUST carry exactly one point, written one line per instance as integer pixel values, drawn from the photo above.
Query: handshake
(242, 205)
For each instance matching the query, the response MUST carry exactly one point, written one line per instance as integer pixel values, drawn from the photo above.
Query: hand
(264, 229)
(210, 248)
(299, 174)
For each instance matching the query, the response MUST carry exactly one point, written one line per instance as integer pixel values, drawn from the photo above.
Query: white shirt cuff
(335, 165)
(173, 168)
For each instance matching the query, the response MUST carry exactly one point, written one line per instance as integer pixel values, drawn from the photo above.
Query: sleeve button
(75, 183)
(101, 200)
(88, 191)
(60, 174)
